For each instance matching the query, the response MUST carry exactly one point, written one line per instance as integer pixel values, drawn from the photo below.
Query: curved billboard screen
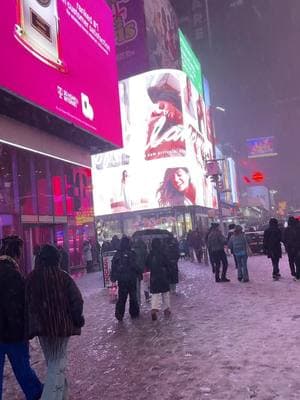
(165, 145)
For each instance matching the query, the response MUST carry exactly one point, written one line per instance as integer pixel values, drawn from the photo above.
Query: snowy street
(224, 341)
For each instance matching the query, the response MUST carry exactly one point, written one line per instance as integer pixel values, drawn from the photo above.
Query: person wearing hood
(160, 271)
(215, 244)
(125, 271)
(272, 246)
(290, 243)
(173, 255)
(231, 231)
(54, 311)
(13, 342)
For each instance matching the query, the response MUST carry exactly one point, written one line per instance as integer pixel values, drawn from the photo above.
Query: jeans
(55, 352)
(242, 267)
(160, 301)
(125, 289)
(18, 355)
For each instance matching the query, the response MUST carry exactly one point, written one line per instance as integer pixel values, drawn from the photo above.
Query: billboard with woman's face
(163, 160)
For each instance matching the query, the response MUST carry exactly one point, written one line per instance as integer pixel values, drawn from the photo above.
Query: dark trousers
(297, 262)
(275, 263)
(219, 257)
(292, 261)
(125, 289)
(18, 355)
(199, 255)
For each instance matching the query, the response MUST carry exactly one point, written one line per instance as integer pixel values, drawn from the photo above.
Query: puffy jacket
(12, 302)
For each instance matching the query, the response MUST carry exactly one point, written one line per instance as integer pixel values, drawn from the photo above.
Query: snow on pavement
(224, 341)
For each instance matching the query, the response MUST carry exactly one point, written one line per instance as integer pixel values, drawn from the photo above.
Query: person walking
(290, 243)
(87, 255)
(212, 262)
(64, 259)
(216, 242)
(173, 255)
(272, 246)
(125, 271)
(54, 311)
(197, 244)
(231, 231)
(240, 249)
(159, 267)
(140, 249)
(13, 343)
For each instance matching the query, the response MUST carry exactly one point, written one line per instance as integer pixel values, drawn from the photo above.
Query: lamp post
(215, 173)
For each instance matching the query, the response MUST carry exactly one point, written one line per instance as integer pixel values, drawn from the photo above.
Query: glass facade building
(45, 200)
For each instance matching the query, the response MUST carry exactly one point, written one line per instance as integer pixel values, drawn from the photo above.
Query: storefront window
(42, 177)
(58, 189)
(27, 187)
(6, 180)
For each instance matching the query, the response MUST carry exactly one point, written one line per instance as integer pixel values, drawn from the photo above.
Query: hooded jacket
(272, 240)
(159, 267)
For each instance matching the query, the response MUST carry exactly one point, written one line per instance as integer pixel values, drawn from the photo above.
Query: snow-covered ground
(225, 341)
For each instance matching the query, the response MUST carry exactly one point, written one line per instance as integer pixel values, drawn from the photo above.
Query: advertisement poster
(162, 34)
(60, 55)
(163, 161)
(107, 260)
(261, 147)
(190, 63)
(258, 196)
(131, 39)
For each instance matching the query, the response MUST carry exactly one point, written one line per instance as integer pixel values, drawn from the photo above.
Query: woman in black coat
(159, 267)
(272, 245)
(173, 255)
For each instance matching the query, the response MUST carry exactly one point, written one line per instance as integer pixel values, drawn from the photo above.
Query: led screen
(261, 147)
(60, 55)
(164, 133)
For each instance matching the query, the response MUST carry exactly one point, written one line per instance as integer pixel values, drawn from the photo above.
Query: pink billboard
(60, 55)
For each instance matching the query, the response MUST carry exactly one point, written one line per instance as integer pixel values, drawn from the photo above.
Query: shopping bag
(113, 293)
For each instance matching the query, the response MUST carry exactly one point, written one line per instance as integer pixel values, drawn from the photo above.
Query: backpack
(121, 267)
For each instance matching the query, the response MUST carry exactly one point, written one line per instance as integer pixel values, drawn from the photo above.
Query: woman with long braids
(12, 322)
(55, 312)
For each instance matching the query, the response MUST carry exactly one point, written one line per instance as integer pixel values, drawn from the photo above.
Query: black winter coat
(172, 254)
(272, 242)
(160, 271)
(12, 302)
(74, 320)
(290, 239)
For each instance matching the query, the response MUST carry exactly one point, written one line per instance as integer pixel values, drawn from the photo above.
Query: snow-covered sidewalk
(225, 341)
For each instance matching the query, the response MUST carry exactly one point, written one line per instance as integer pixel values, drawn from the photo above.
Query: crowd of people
(47, 304)
(157, 267)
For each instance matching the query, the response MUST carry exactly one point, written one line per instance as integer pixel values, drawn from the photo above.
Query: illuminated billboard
(60, 55)
(147, 31)
(261, 147)
(162, 163)
(190, 63)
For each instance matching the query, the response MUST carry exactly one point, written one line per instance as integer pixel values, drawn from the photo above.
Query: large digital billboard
(261, 147)
(60, 55)
(190, 63)
(165, 148)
